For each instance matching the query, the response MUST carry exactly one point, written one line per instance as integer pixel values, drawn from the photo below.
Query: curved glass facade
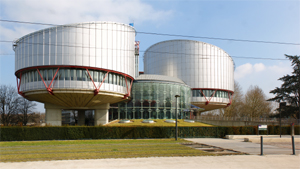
(71, 74)
(154, 100)
(211, 93)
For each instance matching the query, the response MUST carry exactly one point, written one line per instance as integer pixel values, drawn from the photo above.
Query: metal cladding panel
(105, 45)
(198, 64)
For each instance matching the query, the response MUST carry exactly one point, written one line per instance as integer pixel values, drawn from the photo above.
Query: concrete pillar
(81, 117)
(53, 115)
(101, 114)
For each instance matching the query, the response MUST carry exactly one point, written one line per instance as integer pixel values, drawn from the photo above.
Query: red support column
(210, 98)
(42, 78)
(97, 89)
(91, 77)
(52, 81)
(128, 90)
(19, 85)
(230, 99)
(49, 89)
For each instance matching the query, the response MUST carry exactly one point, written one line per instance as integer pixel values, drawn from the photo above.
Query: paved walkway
(206, 162)
(246, 147)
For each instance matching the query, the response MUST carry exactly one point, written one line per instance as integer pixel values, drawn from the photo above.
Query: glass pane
(36, 75)
(32, 76)
(45, 75)
(79, 75)
(85, 75)
(28, 76)
(41, 72)
(61, 74)
(67, 74)
(88, 76)
(72, 74)
(96, 75)
(50, 74)
(110, 79)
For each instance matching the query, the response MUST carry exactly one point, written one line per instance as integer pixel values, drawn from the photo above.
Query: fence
(244, 121)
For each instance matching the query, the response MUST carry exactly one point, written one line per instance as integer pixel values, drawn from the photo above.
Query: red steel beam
(97, 89)
(81, 67)
(66, 66)
(91, 78)
(19, 85)
(42, 78)
(211, 98)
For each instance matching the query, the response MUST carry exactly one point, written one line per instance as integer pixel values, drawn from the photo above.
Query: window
(67, 74)
(41, 72)
(32, 76)
(95, 76)
(61, 74)
(45, 75)
(85, 75)
(36, 76)
(88, 76)
(72, 74)
(79, 75)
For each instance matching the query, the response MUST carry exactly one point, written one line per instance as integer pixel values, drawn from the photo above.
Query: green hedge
(92, 132)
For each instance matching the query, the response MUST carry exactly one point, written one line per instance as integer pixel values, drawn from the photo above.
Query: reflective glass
(36, 76)
(79, 75)
(96, 75)
(67, 74)
(61, 74)
(72, 74)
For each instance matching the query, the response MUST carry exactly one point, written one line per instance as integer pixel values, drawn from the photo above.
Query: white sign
(262, 127)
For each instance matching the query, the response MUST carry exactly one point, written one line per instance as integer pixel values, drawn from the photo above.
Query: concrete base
(81, 117)
(53, 114)
(53, 117)
(101, 115)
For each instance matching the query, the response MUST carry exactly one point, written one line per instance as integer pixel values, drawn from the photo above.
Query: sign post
(263, 127)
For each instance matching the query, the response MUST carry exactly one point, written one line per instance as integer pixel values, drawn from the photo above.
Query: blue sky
(263, 20)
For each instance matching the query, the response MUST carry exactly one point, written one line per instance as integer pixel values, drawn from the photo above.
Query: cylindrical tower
(76, 66)
(205, 67)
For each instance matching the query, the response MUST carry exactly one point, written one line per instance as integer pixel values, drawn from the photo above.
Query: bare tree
(26, 111)
(237, 104)
(9, 103)
(256, 104)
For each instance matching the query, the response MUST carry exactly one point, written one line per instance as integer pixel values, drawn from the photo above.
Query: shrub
(18, 133)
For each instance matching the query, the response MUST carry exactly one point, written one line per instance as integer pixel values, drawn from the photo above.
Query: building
(94, 66)
(207, 69)
(153, 98)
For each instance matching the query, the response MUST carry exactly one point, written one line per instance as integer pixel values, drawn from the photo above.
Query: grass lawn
(159, 123)
(93, 149)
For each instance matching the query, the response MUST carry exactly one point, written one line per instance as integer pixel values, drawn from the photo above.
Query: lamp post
(176, 129)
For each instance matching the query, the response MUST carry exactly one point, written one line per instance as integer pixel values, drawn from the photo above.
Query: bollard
(293, 145)
(292, 129)
(261, 145)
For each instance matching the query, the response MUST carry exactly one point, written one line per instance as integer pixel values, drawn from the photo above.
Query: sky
(258, 20)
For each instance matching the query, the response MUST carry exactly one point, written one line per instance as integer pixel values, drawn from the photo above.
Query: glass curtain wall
(74, 74)
(154, 100)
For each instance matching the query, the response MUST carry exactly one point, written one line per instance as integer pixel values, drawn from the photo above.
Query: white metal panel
(97, 44)
(199, 64)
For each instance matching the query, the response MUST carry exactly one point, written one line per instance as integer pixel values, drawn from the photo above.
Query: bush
(102, 132)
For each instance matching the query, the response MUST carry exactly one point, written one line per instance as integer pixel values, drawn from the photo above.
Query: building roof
(150, 77)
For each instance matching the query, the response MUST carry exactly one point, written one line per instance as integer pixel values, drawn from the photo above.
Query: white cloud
(72, 11)
(258, 67)
(265, 77)
(243, 70)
